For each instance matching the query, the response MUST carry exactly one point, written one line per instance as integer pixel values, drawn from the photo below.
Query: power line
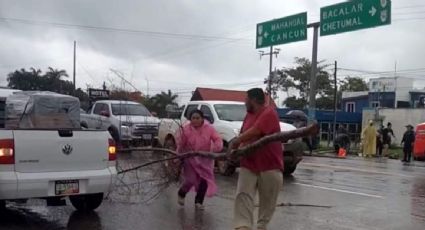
(409, 13)
(382, 72)
(124, 30)
(409, 19)
(409, 7)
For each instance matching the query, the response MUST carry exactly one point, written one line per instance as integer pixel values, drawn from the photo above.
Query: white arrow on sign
(372, 11)
(266, 34)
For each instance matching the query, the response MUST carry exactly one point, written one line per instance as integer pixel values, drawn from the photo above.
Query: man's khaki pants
(268, 184)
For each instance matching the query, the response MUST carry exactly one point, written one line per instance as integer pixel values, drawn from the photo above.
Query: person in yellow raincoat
(369, 140)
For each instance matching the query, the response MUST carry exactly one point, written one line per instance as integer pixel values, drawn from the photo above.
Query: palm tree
(54, 79)
(56, 74)
(161, 100)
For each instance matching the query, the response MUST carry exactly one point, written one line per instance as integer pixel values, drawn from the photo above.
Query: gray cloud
(186, 63)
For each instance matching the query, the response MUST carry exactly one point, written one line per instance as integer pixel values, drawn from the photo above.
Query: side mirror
(154, 114)
(209, 119)
(105, 114)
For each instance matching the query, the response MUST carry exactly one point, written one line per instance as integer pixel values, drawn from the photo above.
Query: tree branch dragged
(244, 151)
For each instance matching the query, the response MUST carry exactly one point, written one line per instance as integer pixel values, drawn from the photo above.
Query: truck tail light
(112, 150)
(7, 151)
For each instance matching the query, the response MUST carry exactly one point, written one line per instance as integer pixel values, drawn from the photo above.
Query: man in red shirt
(260, 171)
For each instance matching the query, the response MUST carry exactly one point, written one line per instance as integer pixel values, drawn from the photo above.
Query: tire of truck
(172, 169)
(224, 167)
(84, 125)
(170, 143)
(88, 202)
(289, 170)
(2, 205)
(114, 133)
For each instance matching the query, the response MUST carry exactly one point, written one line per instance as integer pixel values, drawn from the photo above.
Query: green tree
(353, 84)
(34, 79)
(56, 74)
(25, 80)
(295, 103)
(159, 102)
(298, 78)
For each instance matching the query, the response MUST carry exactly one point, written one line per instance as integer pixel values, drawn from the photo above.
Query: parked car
(227, 118)
(419, 145)
(55, 162)
(130, 123)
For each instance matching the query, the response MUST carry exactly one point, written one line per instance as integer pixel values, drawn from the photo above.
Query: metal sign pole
(312, 95)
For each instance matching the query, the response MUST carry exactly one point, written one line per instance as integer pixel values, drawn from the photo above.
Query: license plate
(147, 136)
(67, 187)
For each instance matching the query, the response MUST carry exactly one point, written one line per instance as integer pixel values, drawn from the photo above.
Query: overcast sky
(182, 44)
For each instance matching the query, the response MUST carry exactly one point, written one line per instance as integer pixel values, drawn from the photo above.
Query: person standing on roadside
(261, 171)
(386, 136)
(369, 140)
(407, 142)
(379, 141)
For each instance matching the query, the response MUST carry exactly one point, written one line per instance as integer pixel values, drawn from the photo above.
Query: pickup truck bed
(52, 163)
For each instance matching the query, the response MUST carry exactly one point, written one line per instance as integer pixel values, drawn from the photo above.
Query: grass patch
(395, 153)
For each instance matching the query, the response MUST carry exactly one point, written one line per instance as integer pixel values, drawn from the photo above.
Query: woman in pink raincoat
(198, 172)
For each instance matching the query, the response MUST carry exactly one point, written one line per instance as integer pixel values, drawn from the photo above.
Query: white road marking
(318, 165)
(340, 190)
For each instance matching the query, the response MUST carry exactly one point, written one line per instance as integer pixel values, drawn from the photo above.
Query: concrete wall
(403, 87)
(398, 117)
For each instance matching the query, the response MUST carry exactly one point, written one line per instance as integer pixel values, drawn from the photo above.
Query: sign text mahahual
(283, 30)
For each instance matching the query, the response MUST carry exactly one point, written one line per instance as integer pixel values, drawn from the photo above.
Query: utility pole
(395, 85)
(269, 88)
(75, 59)
(271, 53)
(147, 87)
(312, 100)
(335, 100)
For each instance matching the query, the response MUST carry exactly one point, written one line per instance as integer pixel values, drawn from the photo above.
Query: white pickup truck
(53, 164)
(227, 118)
(128, 122)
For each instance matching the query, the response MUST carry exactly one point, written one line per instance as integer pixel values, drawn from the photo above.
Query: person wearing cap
(369, 140)
(407, 142)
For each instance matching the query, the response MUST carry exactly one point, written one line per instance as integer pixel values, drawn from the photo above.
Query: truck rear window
(130, 109)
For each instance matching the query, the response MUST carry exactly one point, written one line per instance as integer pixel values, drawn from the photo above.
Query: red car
(419, 146)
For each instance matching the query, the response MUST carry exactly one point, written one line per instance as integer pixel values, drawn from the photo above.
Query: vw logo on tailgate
(67, 149)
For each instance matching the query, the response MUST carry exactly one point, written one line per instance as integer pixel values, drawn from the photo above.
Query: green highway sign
(354, 15)
(283, 30)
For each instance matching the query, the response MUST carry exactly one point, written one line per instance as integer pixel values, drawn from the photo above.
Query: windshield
(130, 109)
(230, 112)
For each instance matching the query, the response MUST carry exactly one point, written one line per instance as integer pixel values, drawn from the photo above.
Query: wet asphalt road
(362, 194)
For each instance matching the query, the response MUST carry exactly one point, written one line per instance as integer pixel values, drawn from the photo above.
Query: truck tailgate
(50, 151)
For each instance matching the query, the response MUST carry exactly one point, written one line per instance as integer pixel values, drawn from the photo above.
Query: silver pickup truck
(129, 123)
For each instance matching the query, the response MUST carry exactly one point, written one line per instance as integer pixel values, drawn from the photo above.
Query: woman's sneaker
(199, 206)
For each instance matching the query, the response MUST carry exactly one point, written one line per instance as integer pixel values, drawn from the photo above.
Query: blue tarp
(328, 116)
